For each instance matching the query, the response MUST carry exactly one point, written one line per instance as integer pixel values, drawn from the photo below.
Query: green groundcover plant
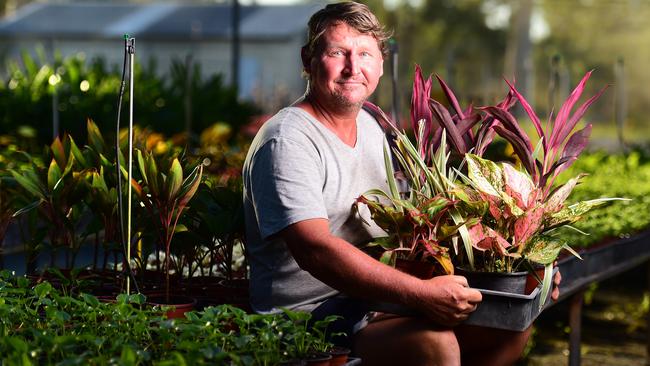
(611, 175)
(39, 325)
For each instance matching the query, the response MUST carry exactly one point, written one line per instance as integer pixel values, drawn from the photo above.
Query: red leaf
(509, 122)
(465, 125)
(527, 225)
(494, 205)
(562, 127)
(577, 142)
(445, 120)
(451, 97)
(529, 110)
(386, 123)
(485, 135)
(581, 111)
(522, 151)
(420, 103)
(484, 238)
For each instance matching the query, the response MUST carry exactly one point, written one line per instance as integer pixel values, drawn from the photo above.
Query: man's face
(345, 71)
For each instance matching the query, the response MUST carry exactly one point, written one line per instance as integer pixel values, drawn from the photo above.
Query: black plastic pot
(514, 282)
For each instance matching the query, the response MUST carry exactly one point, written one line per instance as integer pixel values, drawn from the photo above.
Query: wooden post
(575, 323)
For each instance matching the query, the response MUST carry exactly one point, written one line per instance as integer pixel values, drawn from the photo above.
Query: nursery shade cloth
(297, 169)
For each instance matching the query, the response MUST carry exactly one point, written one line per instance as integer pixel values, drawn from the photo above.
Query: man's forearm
(346, 268)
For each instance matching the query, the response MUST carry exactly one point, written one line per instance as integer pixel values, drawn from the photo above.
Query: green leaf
(98, 182)
(90, 299)
(77, 154)
(128, 356)
(485, 175)
(190, 185)
(154, 180)
(103, 160)
(30, 183)
(390, 175)
(464, 234)
(53, 175)
(137, 299)
(95, 138)
(388, 258)
(42, 289)
(141, 166)
(174, 180)
(59, 153)
(180, 228)
(546, 285)
(543, 249)
(27, 208)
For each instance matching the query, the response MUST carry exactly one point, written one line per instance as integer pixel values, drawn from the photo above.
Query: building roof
(169, 21)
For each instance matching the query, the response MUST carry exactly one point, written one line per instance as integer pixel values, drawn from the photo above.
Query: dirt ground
(614, 327)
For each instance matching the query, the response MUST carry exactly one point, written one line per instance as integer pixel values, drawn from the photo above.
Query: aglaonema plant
(165, 193)
(520, 209)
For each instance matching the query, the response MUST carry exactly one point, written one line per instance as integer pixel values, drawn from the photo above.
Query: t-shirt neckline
(331, 135)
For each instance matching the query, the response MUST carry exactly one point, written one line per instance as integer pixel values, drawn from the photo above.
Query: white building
(270, 37)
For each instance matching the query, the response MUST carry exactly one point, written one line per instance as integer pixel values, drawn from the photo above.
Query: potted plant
(520, 209)
(422, 219)
(504, 214)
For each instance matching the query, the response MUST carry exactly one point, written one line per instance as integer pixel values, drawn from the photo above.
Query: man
(304, 170)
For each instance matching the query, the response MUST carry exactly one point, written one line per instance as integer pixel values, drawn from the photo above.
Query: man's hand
(557, 279)
(448, 300)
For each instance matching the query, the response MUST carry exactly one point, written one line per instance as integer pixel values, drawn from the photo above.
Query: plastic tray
(503, 310)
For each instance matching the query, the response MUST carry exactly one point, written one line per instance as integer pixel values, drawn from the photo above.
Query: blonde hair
(356, 15)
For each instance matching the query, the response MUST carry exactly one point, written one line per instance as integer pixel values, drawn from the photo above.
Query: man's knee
(407, 341)
(439, 346)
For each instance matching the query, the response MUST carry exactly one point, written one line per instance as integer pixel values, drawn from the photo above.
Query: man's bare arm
(445, 299)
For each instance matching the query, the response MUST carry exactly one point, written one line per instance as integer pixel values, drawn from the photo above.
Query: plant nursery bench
(598, 264)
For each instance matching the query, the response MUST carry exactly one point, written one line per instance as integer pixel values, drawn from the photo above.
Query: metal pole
(130, 163)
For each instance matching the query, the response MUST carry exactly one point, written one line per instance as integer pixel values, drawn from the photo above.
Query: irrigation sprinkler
(129, 57)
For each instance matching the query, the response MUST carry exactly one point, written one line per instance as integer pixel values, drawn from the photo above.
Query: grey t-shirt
(297, 169)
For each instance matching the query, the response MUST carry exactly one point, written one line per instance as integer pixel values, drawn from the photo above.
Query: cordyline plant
(165, 195)
(57, 193)
(423, 219)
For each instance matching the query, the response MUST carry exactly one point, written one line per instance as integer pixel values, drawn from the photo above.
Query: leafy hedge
(81, 89)
(612, 175)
